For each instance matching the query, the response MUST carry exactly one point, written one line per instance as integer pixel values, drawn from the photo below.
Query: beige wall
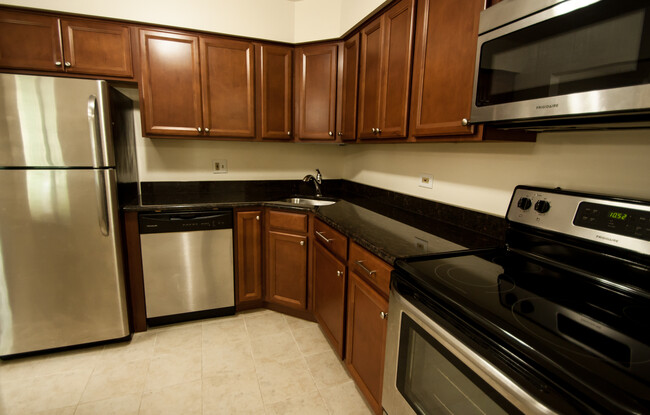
(281, 20)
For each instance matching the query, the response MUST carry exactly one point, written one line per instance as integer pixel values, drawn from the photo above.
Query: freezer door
(54, 122)
(61, 275)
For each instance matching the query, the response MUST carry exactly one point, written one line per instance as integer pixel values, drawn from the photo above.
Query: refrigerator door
(61, 278)
(54, 122)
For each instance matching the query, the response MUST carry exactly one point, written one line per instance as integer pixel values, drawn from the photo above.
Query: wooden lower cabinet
(329, 296)
(286, 276)
(248, 257)
(366, 338)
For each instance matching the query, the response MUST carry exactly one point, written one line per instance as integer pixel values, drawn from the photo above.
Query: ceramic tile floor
(259, 362)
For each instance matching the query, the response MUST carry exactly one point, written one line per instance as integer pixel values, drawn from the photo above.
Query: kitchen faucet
(317, 181)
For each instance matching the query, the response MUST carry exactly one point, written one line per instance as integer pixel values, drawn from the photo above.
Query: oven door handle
(483, 368)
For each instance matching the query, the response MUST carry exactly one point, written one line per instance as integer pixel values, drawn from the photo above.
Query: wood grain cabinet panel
(228, 82)
(274, 91)
(287, 270)
(30, 41)
(348, 84)
(170, 87)
(316, 76)
(385, 73)
(366, 338)
(96, 48)
(249, 256)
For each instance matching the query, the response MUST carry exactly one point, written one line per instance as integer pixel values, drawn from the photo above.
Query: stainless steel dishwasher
(187, 261)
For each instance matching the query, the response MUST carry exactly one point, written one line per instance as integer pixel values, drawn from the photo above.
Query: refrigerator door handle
(102, 201)
(93, 123)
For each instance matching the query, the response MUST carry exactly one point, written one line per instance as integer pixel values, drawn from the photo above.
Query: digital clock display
(617, 215)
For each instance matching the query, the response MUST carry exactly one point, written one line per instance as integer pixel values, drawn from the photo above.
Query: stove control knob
(524, 203)
(542, 206)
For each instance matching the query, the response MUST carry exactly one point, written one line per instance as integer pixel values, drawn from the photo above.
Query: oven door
(429, 371)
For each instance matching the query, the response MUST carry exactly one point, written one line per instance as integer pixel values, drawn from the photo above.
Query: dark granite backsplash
(430, 216)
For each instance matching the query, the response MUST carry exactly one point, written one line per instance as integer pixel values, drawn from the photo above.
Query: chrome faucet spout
(316, 181)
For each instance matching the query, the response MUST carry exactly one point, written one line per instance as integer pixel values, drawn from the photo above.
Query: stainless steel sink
(304, 201)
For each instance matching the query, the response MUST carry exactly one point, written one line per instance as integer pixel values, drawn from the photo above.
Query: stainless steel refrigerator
(61, 274)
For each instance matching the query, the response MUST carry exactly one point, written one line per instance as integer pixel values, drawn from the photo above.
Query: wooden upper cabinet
(443, 68)
(30, 41)
(96, 48)
(316, 76)
(348, 85)
(274, 91)
(170, 85)
(228, 83)
(385, 73)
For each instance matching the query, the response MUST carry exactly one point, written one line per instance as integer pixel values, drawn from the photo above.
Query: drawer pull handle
(366, 270)
(325, 238)
(383, 315)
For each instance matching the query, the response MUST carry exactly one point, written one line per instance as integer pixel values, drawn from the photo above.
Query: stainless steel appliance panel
(54, 122)
(61, 275)
(187, 271)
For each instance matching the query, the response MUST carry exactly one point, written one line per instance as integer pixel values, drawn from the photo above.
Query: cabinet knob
(374, 130)
(340, 134)
(257, 217)
(464, 121)
(207, 130)
(199, 129)
(68, 64)
(57, 63)
(378, 130)
(302, 243)
(383, 315)
(289, 133)
(339, 273)
(331, 134)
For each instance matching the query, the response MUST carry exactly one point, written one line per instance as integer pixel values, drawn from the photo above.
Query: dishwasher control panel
(185, 221)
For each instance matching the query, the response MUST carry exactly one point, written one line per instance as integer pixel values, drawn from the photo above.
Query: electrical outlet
(421, 244)
(426, 180)
(219, 166)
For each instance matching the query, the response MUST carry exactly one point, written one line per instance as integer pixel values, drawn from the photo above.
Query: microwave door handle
(102, 201)
(93, 124)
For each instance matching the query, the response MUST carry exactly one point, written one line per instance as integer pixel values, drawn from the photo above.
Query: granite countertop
(380, 233)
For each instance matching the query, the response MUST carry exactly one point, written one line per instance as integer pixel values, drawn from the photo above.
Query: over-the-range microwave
(551, 64)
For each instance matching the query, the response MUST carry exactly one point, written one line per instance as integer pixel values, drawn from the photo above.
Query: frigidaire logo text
(545, 107)
(607, 239)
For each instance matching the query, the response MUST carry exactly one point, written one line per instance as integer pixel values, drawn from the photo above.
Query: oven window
(434, 381)
(600, 46)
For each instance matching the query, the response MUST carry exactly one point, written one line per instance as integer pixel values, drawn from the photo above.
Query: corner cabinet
(368, 286)
(287, 251)
(248, 258)
(274, 92)
(33, 41)
(385, 73)
(195, 86)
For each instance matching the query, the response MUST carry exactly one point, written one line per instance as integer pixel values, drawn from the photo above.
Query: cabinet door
(228, 87)
(366, 338)
(443, 68)
(317, 73)
(370, 79)
(249, 256)
(287, 270)
(170, 85)
(30, 41)
(96, 48)
(396, 73)
(274, 95)
(329, 295)
(349, 79)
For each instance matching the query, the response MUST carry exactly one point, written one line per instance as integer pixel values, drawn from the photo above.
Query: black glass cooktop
(588, 331)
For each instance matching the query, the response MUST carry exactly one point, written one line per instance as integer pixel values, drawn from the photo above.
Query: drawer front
(287, 221)
(371, 268)
(331, 239)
